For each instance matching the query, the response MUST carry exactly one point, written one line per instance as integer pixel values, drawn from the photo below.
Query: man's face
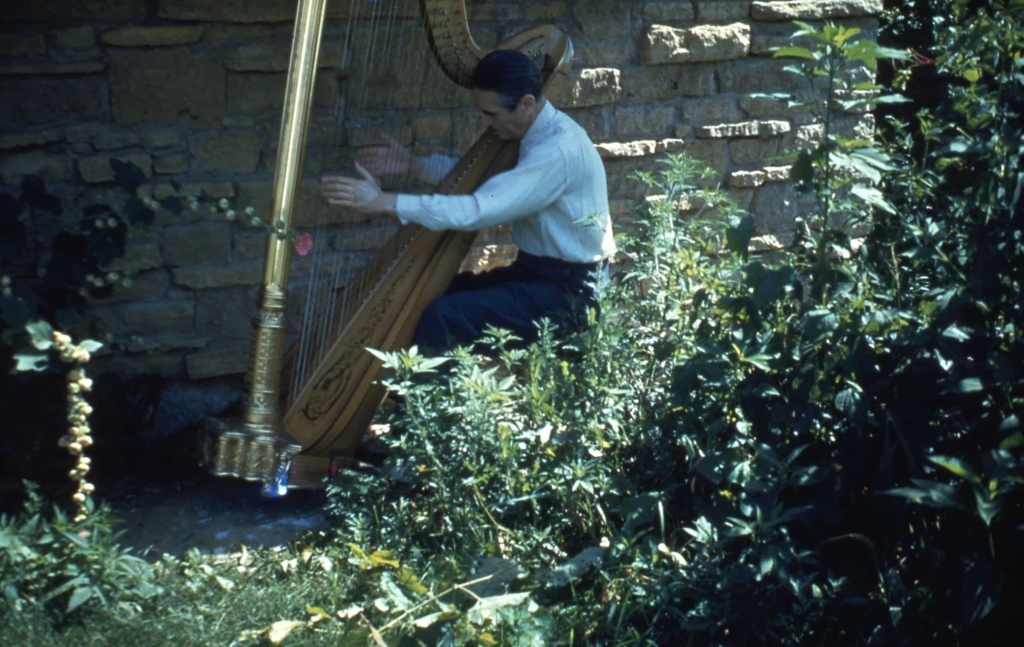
(504, 123)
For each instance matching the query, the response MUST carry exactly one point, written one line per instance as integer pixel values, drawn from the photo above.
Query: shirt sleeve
(536, 182)
(433, 168)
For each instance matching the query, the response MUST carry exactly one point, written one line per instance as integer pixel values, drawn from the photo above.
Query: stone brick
(245, 11)
(48, 100)
(196, 244)
(271, 11)
(29, 140)
(75, 37)
(227, 152)
(140, 254)
(249, 243)
(164, 363)
(160, 317)
(153, 36)
(274, 56)
(665, 82)
(50, 167)
(808, 136)
(710, 151)
(813, 9)
(237, 273)
(160, 86)
(15, 45)
(751, 75)
(143, 284)
(682, 131)
(596, 121)
(171, 164)
(764, 106)
(75, 10)
(673, 10)
(603, 18)
(218, 360)
(164, 139)
(774, 207)
(96, 170)
(703, 43)
(606, 52)
(44, 69)
(765, 37)
(255, 93)
(746, 129)
(257, 195)
(777, 173)
(745, 179)
(590, 87)
(722, 10)
(710, 109)
(545, 11)
(226, 312)
(627, 149)
(751, 151)
(635, 120)
(671, 146)
(493, 11)
(115, 139)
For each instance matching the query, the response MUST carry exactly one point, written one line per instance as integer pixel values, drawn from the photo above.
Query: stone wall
(191, 91)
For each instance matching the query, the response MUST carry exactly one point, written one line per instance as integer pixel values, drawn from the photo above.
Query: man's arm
(391, 157)
(361, 194)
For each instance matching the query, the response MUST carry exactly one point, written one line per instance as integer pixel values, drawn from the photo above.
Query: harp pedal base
(232, 448)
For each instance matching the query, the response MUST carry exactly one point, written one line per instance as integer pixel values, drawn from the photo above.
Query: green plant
(68, 565)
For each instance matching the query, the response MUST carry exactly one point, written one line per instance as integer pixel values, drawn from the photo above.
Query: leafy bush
(744, 443)
(67, 566)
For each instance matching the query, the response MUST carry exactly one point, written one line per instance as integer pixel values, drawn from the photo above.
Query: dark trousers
(514, 298)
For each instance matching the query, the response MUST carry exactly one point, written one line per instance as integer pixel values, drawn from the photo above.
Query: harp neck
(457, 53)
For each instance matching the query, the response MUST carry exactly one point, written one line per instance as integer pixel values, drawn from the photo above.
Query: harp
(291, 437)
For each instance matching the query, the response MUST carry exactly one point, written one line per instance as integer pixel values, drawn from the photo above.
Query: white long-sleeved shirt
(555, 198)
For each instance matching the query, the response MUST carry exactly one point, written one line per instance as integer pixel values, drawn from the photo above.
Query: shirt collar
(536, 130)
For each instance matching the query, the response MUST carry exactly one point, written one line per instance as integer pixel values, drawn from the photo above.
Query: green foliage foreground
(824, 449)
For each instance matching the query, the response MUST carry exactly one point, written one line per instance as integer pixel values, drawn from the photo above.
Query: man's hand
(389, 158)
(360, 194)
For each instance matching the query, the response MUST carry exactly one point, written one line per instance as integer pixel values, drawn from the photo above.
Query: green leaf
(987, 508)
(795, 52)
(31, 361)
(737, 237)
(486, 608)
(1014, 440)
(956, 466)
(41, 334)
(91, 345)
(80, 596)
(874, 198)
(433, 618)
(967, 385)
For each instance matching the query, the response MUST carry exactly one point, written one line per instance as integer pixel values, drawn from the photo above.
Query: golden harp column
(256, 447)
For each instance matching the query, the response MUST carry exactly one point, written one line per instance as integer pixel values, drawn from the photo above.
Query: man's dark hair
(510, 74)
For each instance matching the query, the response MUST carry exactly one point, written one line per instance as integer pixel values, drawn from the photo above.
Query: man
(555, 199)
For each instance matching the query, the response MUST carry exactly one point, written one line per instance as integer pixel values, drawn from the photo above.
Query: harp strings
(370, 42)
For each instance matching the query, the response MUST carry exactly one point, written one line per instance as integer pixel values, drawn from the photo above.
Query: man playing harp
(555, 199)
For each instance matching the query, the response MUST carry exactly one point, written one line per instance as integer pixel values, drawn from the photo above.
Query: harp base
(232, 448)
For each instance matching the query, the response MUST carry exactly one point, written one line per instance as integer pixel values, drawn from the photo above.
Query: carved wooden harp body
(290, 440)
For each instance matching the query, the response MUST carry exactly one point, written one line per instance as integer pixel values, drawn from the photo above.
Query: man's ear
(528, 101)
